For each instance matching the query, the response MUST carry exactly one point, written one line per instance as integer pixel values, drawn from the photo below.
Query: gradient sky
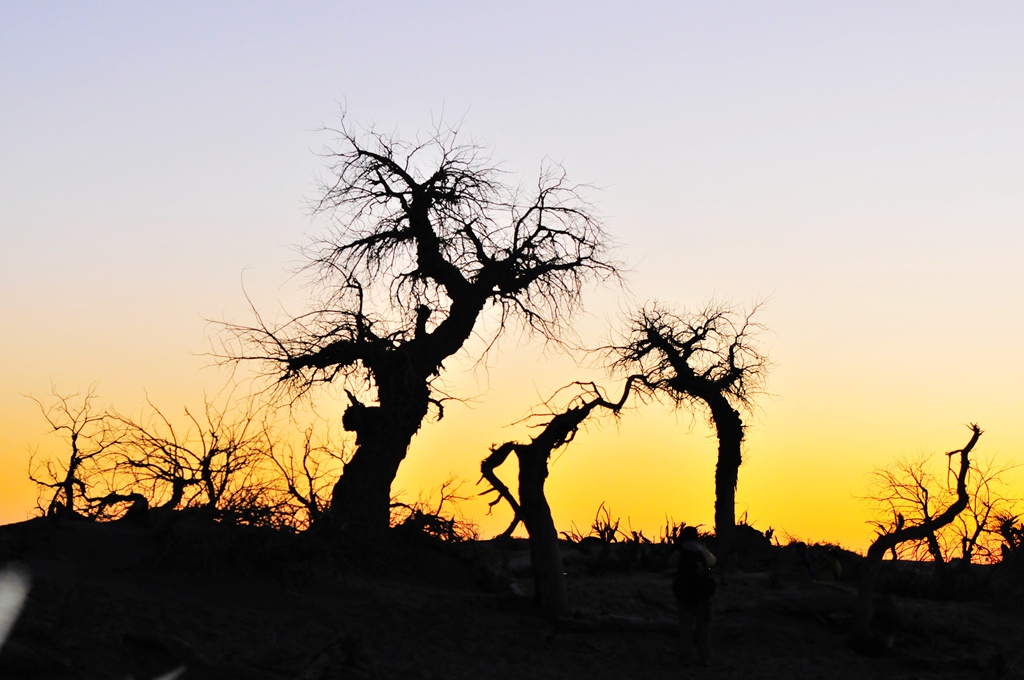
(861, 165)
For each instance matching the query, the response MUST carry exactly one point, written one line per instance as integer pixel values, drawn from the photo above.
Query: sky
(859, 166)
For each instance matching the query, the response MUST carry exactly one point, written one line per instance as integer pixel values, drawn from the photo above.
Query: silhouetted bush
(422, 519)
(228, 461)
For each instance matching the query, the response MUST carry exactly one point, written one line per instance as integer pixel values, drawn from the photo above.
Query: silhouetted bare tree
(976, 531)
(226, 462)
(91, 437)
(428, 239)
(532, 506)
(909, 490)
(308, 474)
(705, 359)
(922, 529)
(216, 463)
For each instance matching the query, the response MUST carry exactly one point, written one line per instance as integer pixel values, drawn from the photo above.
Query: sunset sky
(858, 165)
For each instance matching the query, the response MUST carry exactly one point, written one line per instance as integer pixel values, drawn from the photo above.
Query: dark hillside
(113, 601)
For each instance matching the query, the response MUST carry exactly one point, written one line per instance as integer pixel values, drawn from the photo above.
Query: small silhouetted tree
(214, 463)
(532, 506)
(919, 530)
(429, 237)
(975, 533)
(308, 472)
(710, 360)
(91, 437)
(1011, 550)
(911, 490)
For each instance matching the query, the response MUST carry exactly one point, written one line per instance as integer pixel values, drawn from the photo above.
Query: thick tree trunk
(361, 501)
(548, 574)
(729, 428)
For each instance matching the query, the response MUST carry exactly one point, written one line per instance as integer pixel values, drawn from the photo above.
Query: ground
(114, 601)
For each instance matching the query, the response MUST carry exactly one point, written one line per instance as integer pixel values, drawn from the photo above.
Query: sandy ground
(116, 602)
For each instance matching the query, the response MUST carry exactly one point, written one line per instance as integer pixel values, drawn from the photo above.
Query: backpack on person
(693, 581)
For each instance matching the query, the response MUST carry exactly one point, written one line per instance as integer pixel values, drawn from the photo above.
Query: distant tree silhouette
(976, 531)
(225, 462)
(705, 359)
(532, 506)
(216, 464)
(428, 239)
(908, 490)
(91, 436)
(918, 530)
(308, 475)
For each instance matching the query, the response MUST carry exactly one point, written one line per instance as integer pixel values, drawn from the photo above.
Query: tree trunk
(936, 552)
(546, 558)
(361, 500)
(729, 428)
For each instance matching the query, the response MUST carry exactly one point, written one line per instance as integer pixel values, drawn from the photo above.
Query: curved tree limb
(919, 531)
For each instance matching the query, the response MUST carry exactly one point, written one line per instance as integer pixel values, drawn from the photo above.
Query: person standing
(694, 588)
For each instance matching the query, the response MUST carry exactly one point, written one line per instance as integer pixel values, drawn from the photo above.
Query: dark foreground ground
(110, 601)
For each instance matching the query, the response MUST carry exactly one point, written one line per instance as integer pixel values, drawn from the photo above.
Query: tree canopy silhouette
(704, 359)
(428, 236)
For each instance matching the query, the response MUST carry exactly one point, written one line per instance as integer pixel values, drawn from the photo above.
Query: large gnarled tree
(428, 238)
(705, 360)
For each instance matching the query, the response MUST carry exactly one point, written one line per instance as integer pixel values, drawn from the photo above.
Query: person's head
(688, 534)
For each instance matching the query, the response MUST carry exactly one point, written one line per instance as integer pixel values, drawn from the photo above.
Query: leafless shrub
(226, 461)
(605, 526)
(308, 473)
(91, 437)
(429, 518)
(214, 462)
(670, 532)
